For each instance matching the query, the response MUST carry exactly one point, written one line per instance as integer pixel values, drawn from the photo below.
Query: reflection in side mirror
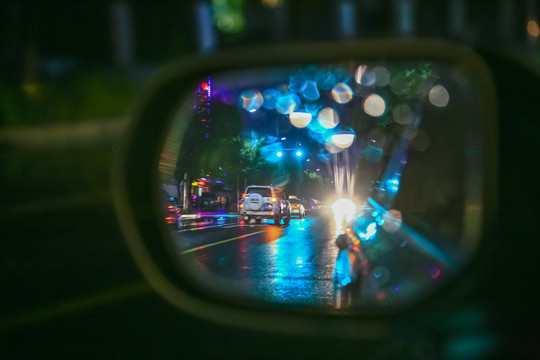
(329, 185)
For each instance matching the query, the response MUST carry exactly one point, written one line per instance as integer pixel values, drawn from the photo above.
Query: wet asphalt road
(288, 264)
(294, 264)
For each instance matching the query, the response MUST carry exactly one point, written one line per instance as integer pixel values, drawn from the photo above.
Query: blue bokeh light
(250, 100)
(309, 90)
(325, 80)
(270, 97)
(287, 103)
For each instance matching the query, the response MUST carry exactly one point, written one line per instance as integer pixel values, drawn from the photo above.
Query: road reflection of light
(293, 277)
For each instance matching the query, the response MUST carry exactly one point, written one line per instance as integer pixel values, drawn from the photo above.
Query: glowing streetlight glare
(300, 119)
(374, 105)
(344, 210)
(279, 154)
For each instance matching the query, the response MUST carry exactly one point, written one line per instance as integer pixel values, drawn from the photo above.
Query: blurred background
(72, 69)
(69, 73)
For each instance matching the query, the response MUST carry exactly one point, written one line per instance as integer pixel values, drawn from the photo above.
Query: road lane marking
(219, 242)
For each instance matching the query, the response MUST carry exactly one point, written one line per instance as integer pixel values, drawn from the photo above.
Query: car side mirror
(404, 129)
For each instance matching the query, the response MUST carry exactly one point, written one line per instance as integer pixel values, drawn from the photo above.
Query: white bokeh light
(343, 140)
(300, 119)
(342, 93)
(328, 118)
(438, 96)
(374, 105)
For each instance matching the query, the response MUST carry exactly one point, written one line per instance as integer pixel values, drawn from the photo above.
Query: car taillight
(244, 195)
(274, 199)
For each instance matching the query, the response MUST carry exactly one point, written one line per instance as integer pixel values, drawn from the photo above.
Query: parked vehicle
(208, 201)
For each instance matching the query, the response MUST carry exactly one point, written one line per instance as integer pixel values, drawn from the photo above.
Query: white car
(265, 202)
(297, 209)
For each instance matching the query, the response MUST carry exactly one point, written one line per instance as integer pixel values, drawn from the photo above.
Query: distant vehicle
(317, 206)
(297, 208)
(265, 202)
(208, 201)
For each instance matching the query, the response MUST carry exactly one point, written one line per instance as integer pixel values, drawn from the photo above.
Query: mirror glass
(332, 185)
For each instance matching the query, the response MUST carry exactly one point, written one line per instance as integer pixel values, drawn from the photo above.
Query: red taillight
(274, 199)
(243, 195)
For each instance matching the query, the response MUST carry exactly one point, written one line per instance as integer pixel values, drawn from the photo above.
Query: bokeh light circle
(309, 90)
(374, 105)
(382, 76)
(402, 114)
(300, 119)
(400, 85)
(342, 93)
(392, 220)
(250, 100)
(287, 103)
(325, 80)
(364, 76)
(328, 118)
(421, 141)
(439, 96)
(270, 97)
(341, 74)
(343, 139)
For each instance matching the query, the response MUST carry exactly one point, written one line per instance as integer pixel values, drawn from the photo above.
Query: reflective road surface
(283, 264)
(294, 264)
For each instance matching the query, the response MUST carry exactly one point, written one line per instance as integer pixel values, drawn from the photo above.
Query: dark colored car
(208, 202)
